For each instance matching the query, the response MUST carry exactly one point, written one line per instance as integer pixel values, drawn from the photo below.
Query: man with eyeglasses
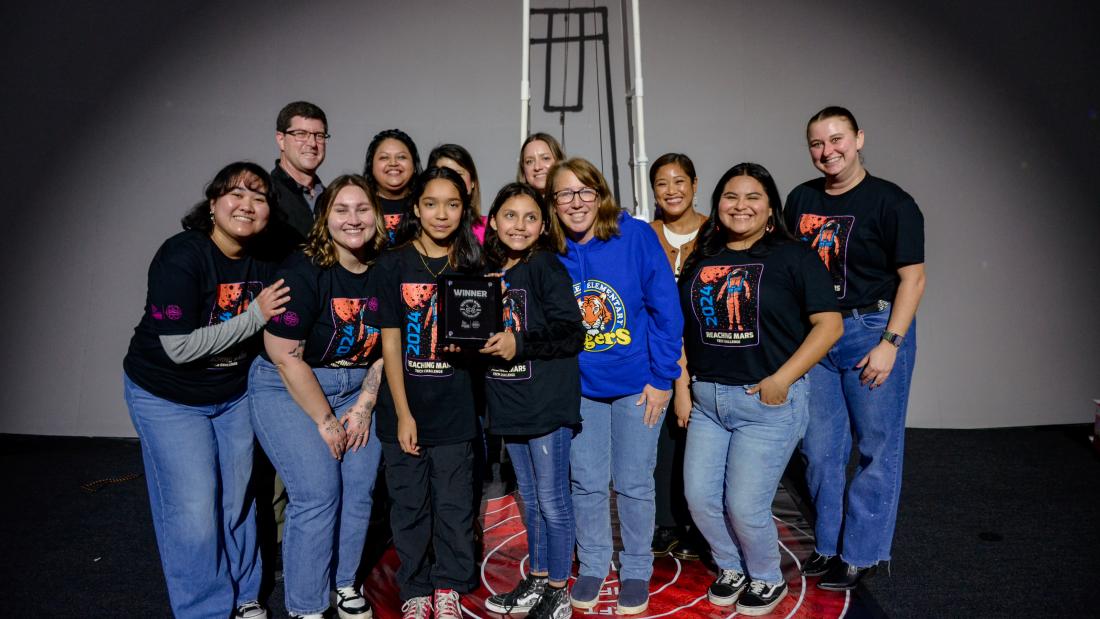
(301, 132)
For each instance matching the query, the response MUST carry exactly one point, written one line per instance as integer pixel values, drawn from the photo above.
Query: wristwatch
(893, 338)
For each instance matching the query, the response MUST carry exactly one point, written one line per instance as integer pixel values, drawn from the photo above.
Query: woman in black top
(391, 165)
(869, 233)
(311, 396)
(534, 391)
(759, 313)
(184, 382)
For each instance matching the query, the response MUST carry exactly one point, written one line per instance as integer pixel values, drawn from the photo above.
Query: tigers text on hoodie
(630, 311)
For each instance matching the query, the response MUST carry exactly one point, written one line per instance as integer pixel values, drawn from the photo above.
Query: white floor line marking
(847, 600)
(496, 511)
(806, 533)
(502, 522)
(488, 555)
(802, 593)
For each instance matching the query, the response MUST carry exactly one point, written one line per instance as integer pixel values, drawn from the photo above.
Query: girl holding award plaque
(425, 412)
(533, 390)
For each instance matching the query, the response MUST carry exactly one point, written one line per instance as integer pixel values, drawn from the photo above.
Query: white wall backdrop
(116, 114)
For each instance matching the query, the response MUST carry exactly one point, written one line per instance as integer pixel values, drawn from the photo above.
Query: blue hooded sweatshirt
(630, 310)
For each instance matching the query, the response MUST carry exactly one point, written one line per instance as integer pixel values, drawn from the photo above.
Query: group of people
(304, 316)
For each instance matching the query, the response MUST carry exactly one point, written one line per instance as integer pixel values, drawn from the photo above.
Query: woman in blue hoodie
(633, 329)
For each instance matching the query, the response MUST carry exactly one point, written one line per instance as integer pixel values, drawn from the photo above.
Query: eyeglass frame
(573, 194)
(302, 136)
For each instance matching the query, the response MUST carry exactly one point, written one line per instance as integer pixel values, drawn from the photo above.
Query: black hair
(462, 157)
(679, 159)
(834, 111)
(305, 109)
(496, 253)
(712, 236)
(226, 180)
(464, 254)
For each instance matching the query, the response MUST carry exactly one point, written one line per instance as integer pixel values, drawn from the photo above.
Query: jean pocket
(876, 321)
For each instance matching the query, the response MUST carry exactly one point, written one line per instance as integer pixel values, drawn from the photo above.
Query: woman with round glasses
(633, 329)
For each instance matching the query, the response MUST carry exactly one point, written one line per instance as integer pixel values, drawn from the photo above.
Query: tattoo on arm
(373, 379)
(299, 349)
(332, 425)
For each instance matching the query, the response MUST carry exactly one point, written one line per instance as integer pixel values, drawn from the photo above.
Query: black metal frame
(600, 37)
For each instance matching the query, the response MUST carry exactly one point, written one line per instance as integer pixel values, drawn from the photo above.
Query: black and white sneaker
(250, 610)
(554, 604)
(725, 589)
(761, 598)
(350, 603)
(519, 600)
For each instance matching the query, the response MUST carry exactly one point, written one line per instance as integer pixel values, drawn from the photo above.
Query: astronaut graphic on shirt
(232, 300)
(727, 304)
(828, 236)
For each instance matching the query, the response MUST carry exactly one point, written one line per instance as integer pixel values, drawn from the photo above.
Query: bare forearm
(368, 393)
(908, 297)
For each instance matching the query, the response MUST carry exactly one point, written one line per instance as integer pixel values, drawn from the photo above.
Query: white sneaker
(250, 610)
(350, 603)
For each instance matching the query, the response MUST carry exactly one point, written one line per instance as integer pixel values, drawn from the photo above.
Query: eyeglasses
(565, 196)
(301, 135)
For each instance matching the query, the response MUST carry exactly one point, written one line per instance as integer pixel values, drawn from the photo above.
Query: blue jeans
(329, 500)
(198, 463)
(737, 449)
(542, 475)
(840, 409)
(614, 445)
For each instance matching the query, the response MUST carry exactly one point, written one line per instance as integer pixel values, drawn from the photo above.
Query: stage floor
(678, 588)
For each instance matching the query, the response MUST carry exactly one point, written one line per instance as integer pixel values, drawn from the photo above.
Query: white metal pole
(525, 80)
(641, 162)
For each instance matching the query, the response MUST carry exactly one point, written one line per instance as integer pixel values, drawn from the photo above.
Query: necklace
(417, 246)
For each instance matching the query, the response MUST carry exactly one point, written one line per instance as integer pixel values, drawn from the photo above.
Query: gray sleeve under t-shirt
(207, 341)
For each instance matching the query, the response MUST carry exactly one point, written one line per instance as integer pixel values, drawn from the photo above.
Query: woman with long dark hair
(184, 383)
(760, 313)
(392, 163)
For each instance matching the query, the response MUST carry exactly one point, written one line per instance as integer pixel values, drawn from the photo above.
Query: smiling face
(242, 213)
(518, 223)
(392, 168)
(306, 156)
(743, 211)
(674, 190)
(577, 216)
(351, 221)
(537, 159)
(834, 147)
(439, 210)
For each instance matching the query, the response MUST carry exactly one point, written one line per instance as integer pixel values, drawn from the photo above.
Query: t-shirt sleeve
(302, 309)
(790, 211)
(908, 232)
(175, 290)
(815, 283)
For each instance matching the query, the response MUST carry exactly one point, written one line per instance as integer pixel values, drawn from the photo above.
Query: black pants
(672, 508)
(432, 513)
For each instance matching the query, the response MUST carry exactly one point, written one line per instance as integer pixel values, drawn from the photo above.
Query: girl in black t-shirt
(390, 167)
(426, 419)
(759, 313)
(312, 393)
(869, 233)
(184, 384)
(534, 392)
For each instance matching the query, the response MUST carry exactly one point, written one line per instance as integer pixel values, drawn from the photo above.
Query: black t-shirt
(745, 315)
(393, 211)
(329, 309)
(192, 284)
(863, 235)
(437, 385)
(540, 389)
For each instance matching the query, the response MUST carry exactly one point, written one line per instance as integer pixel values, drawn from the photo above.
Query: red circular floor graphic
(677, 589)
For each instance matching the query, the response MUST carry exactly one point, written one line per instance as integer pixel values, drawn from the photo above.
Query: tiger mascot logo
(603, 315)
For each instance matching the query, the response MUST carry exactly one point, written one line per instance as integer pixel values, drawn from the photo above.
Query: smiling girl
(426, 419)
(533, 391)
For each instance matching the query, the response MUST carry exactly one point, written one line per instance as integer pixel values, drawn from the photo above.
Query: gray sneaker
(519, 600)
(554, 604)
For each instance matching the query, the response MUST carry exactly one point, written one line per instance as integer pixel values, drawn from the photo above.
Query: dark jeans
(672, 507)
(432, 510)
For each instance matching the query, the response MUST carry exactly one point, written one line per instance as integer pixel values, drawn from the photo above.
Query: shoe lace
(728, 577)
(421, 606)
(525, 587)
(447, 603)
(350, 596)
(248, 606)
(757, 587)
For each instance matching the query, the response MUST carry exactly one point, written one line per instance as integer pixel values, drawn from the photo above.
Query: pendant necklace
(418, 246)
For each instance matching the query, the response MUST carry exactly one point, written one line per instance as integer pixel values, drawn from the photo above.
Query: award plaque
(470, 308)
